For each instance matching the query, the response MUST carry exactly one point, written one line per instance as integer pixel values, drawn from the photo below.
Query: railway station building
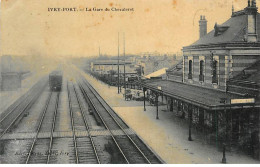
(104, 67)
(216, 85)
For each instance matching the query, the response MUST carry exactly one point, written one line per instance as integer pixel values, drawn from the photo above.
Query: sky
(165, 26)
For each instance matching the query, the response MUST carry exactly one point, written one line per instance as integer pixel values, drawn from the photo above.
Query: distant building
(12, 72)
(105, 66)
(10, 81)
(175, 73)
(159, 73)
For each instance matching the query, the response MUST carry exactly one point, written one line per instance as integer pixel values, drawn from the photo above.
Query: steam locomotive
(55, 80)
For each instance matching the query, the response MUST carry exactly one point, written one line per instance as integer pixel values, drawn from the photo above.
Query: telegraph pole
(118, 79)
(99, 51)
(124, 66)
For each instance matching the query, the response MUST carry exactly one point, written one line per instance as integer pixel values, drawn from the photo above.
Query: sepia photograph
(130, 82)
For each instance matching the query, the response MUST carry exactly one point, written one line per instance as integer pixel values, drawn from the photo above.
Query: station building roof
(235, 32)
(231, 32)
(206, 98)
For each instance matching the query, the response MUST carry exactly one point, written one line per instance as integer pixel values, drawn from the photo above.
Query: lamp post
(144, 89)
(224, 101)
(190, 121)
(120, 81)
(118, 76)
(124, 66)
(156, 101)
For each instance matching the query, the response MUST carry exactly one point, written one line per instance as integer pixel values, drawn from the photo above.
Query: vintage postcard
(130, 82)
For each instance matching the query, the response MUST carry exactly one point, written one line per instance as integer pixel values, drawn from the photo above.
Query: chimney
(253, 4)
(251, 12)
(203, 26)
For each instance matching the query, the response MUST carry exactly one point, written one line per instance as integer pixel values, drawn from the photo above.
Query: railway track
(15, 112)
(83, 143)
(85, 149)
(131, 150)
(40, 149)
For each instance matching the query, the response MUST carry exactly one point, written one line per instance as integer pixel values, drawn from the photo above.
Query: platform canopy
(206, 98)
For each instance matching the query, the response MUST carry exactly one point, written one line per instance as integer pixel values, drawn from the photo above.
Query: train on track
(55, 80)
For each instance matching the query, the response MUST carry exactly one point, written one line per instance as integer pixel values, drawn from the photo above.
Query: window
(214, 71)
(201, 76)
(190, 70)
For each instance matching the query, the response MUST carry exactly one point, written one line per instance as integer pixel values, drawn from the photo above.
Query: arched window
(215, 71)
(201, 76)
(190, 70)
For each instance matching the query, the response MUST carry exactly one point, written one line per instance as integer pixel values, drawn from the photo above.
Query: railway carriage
(55, 80)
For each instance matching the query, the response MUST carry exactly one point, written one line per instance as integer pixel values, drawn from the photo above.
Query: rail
(53, 126)
(73, 127)
(87, 126)
(38, 128)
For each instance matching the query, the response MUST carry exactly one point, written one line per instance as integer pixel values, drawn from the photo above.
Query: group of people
(151, 98)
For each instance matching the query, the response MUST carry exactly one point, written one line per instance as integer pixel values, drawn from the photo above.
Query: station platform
(168, 135)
